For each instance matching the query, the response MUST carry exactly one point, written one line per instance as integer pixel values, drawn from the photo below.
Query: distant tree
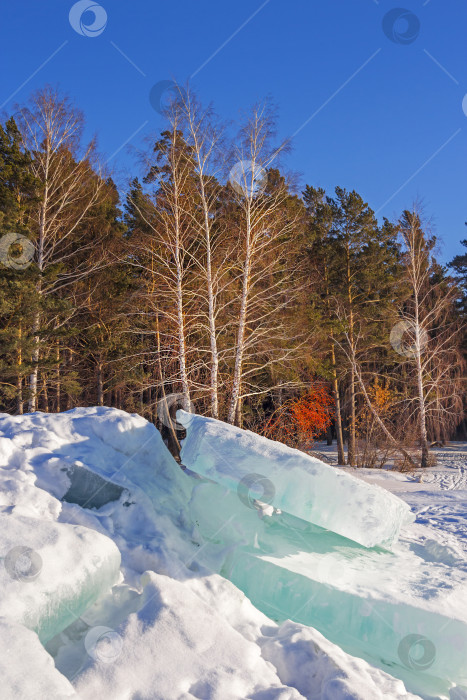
(267, 217)
(68, 189)
(430, 331)
(205, 136)
(18, 297)
(356, 263)
(459, 265)
(322, 261)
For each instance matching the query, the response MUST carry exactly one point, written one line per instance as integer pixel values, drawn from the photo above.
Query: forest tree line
(212, 277)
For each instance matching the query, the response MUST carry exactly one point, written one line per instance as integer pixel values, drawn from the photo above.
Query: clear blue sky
(398, 124)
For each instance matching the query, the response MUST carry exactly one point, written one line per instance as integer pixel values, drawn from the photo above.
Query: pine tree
(18, 298)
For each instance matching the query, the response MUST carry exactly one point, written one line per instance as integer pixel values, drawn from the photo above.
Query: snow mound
(292, 481)
(177, 646)
(26, 670)
(188, 638)
(171, 627)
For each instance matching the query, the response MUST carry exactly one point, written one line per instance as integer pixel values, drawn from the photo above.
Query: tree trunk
(57, 378)
(240, 348)
(69, 402)
(337, 403)
(239, 410)
(19, 381)
(32, 403)
(421, 396)
(100, 384)
(45, 394)
(351, 450)
(181, 344)
(211, 312)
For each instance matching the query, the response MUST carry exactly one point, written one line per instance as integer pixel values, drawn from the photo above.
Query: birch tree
(426, 334)
(166, 248)
(68, 188)
(205, 136)
(266, 223)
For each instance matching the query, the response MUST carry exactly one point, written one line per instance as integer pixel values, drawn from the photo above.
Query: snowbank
(26, 669)
(202, 639)
(170, 627)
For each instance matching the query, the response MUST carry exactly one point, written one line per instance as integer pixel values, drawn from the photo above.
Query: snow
(220, 632)
(292, 481)
(26, 669)
(171, 625)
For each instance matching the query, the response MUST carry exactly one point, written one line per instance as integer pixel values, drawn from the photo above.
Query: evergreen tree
(18, 297)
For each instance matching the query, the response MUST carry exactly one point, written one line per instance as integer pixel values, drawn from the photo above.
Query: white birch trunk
(240, 345)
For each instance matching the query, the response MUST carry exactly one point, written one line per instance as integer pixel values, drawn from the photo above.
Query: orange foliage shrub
(298, 422)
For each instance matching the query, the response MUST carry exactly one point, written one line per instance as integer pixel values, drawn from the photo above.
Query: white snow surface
(168, 628)
(26, 669)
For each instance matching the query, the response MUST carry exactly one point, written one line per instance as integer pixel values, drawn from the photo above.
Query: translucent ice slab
(393, 608)
(258, 468)
(52, 572)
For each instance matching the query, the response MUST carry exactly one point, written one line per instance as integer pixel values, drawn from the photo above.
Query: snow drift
(164, 624)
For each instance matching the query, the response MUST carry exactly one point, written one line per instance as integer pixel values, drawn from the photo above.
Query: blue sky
(382, 117)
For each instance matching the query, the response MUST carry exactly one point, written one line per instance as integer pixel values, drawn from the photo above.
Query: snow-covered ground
(437, 495)
(121, 596)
